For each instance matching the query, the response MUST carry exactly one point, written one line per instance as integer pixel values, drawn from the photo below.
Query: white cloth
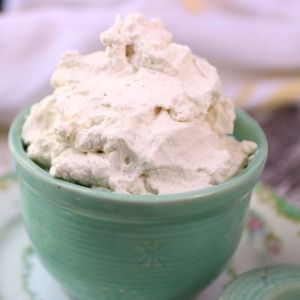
(255, 44)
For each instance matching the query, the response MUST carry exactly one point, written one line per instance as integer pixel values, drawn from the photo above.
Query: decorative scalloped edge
(27, 268)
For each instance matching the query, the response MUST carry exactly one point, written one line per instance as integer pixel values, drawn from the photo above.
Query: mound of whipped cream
(144, 116)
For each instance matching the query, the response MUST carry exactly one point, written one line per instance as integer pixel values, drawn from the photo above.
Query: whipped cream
(144, 116)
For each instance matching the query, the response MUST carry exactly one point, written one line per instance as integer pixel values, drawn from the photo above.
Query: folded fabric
(255, 44)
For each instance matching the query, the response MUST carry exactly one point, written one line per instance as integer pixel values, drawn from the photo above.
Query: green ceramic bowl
(111, 246)
(281, 282)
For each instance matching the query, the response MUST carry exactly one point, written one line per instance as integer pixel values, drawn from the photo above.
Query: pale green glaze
(280, 282)
(110, 246)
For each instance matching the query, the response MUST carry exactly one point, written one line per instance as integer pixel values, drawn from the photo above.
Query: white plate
(270, 237)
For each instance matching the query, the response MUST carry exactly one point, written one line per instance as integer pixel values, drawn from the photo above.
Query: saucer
(271, 234)
(281, 282)
(22, 276)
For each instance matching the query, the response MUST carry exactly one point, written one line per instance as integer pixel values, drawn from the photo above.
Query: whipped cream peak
(144, 116)
(133, 40)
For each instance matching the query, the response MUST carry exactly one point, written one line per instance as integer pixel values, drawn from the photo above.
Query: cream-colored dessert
(144, 116)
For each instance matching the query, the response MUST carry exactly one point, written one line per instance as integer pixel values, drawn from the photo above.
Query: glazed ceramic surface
(102, 245)
(281, 282)
(23, 277)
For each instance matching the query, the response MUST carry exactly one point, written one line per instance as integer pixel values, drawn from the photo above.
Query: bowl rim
(252, 276)
(256, 163)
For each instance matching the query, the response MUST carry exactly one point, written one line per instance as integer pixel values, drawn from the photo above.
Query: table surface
(282, 171)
